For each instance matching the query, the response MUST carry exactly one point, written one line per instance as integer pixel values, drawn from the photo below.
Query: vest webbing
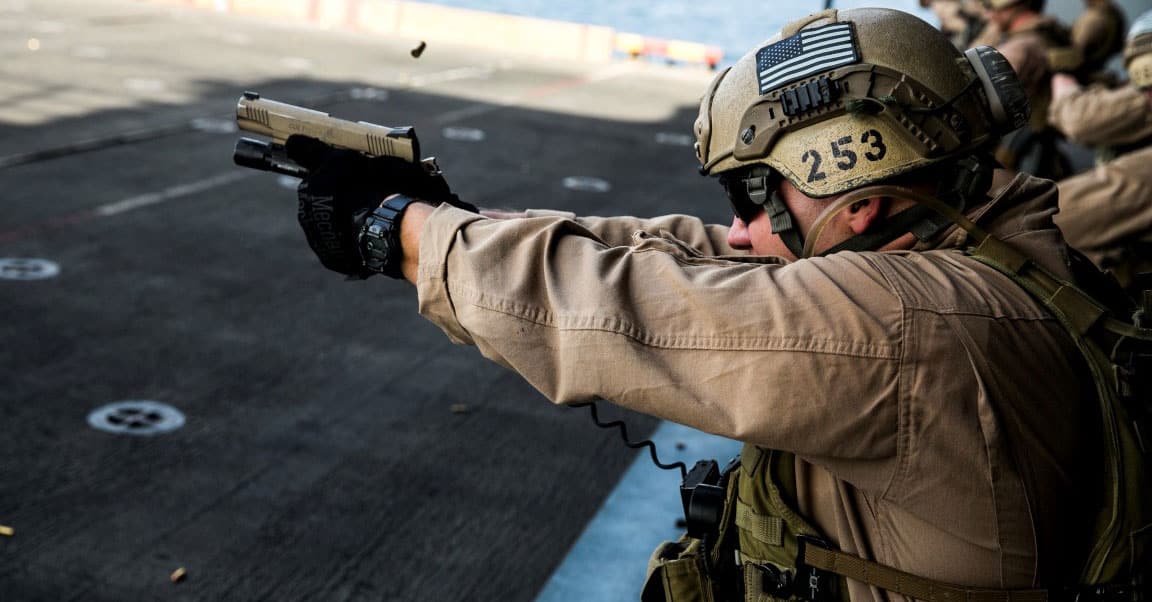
(898, 582)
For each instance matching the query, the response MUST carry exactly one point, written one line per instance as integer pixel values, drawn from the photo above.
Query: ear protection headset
(1007, 99)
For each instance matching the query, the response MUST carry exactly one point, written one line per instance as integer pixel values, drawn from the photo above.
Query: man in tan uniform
(1097, 36)
(960, 20)
(1107, 211)
(901, 400)
(1029, 39)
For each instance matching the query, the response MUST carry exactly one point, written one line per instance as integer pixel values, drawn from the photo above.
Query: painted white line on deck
(609, 560)
(168, 194)
(450, 75)
(548, 89)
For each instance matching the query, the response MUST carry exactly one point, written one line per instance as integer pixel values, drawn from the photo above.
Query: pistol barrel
(255, 154)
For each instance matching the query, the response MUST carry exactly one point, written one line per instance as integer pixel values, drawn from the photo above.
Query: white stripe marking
(451, 75)
(168, 194)
(476, 110)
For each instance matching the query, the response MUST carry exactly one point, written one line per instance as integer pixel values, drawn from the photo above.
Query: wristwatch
(379, 239)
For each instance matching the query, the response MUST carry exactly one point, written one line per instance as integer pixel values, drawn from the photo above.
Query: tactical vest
(761, 549)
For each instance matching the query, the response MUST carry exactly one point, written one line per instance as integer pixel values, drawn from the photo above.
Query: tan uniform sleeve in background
(1108, 210)
(1097, 116)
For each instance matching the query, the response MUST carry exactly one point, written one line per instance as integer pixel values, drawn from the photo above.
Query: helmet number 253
(846, 159)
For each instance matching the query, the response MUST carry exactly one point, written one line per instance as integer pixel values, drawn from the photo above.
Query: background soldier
(960, 20)
(1107, 211)
(1097, 36)
(901, 401)
(1029, 39)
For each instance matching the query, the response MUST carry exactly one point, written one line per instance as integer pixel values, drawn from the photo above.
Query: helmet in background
(1138, 51)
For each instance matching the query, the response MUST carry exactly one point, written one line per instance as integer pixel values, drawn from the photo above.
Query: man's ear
(863, 213)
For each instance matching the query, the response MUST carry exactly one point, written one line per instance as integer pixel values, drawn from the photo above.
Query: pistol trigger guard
(431, 167)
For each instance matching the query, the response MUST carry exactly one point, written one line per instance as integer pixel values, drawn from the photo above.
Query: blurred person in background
(960, 20)
(1097, 36)
(1029, 39)
(1106, 212)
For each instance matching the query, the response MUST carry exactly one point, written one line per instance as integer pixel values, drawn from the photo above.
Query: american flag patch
(808, 52)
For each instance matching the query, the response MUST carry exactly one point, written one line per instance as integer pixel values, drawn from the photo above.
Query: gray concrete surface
(321, 458)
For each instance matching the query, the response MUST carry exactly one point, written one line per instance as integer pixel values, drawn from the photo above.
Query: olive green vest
(756, 546)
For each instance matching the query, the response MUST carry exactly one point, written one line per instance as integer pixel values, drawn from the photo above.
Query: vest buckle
(811, 583)
(775, 581)
(1134, 591)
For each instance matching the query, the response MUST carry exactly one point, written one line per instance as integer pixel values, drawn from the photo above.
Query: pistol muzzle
(255, 154)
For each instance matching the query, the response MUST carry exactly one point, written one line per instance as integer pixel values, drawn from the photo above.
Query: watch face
(380, 237)
(376, 244)
(384, 249)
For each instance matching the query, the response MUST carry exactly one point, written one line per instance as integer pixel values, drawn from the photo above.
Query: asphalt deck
(336, 446)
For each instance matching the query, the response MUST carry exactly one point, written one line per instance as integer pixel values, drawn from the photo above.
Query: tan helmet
(1138, 51)
(842, 99)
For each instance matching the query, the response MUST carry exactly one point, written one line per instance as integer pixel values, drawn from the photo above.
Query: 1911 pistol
(278, 121)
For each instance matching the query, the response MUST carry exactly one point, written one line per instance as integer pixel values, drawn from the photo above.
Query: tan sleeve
(707, 239)
(1104, 211)
(753, 350)
(1097, 116)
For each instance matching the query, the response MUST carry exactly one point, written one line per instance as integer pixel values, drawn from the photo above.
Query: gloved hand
(343, 187)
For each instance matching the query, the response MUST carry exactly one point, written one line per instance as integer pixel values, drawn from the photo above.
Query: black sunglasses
(748, 189)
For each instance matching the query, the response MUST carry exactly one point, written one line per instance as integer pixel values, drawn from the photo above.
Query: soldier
(1107, 211)
(916, 423)
(960, 20)
(1029, 39)
(1097, 36)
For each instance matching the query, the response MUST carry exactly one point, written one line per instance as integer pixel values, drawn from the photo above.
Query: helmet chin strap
(892, 228)
(921, 221)
(924, 220)
(930, 215)
(782, 223)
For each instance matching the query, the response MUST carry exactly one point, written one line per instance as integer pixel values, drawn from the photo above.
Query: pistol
(278, 121)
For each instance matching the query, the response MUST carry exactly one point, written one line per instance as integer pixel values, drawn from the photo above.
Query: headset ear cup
(1007, 98)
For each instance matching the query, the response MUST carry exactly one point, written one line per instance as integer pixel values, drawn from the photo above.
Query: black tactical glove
(342, 187)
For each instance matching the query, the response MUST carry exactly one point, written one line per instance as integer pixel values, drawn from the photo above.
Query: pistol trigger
(430, 166)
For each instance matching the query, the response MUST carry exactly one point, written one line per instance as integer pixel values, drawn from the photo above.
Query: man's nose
(738, 235)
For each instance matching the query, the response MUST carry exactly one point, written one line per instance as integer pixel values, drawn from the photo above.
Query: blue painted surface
(609, 559)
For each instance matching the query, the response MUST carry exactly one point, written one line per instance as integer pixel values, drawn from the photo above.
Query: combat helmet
(1138, 52)
(843, 99)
